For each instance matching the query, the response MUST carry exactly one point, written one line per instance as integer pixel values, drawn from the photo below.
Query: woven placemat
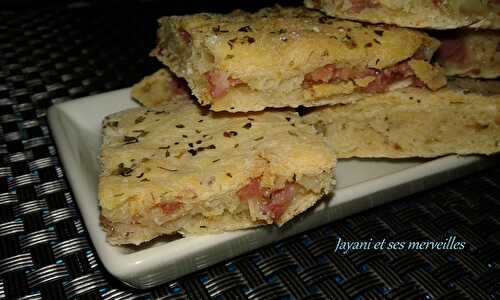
(50, 55)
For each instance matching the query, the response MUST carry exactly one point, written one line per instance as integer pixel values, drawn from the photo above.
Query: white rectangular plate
(361, 184)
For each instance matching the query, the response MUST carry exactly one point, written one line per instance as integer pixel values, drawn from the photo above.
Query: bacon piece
(379, 85)
(437, 3)
(169, 208)
(219, 83)
(388, 76)
(358, 5)
(185, 36)
(365, 73)
(330, 73)
(323, 74)
(179, 86)
(344, 74)
(417, 83)
(452, 50)
(253, 190)
(274, 203)
(383, 79)
(280, 200)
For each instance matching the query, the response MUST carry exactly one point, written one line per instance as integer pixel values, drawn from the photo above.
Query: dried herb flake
(245, 29)
(130, 140)
(230, 133)
(139, 119)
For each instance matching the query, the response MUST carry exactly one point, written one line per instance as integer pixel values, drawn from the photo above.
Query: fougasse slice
(433, 14)
(287, 57)
(412, 123)
(179, 168)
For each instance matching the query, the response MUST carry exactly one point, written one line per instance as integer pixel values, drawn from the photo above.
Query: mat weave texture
(53, 55)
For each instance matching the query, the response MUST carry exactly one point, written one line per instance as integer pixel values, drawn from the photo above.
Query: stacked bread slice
(177, 167)
(286, 57)
(461, 118)
(435, 14)
(235, 154)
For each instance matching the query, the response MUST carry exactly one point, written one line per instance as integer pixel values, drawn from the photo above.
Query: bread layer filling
(367, 80)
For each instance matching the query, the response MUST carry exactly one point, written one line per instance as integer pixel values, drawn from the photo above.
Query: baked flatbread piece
(435, 14)
(469, 53)
(412, 123)
(286, 57)
(159, 88)
(184, 169)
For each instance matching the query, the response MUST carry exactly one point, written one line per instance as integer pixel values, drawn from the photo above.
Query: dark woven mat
(49, 55)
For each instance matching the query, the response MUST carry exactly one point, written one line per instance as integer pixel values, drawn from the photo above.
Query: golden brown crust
(412, 123)
(433, 14)
(267, 55)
